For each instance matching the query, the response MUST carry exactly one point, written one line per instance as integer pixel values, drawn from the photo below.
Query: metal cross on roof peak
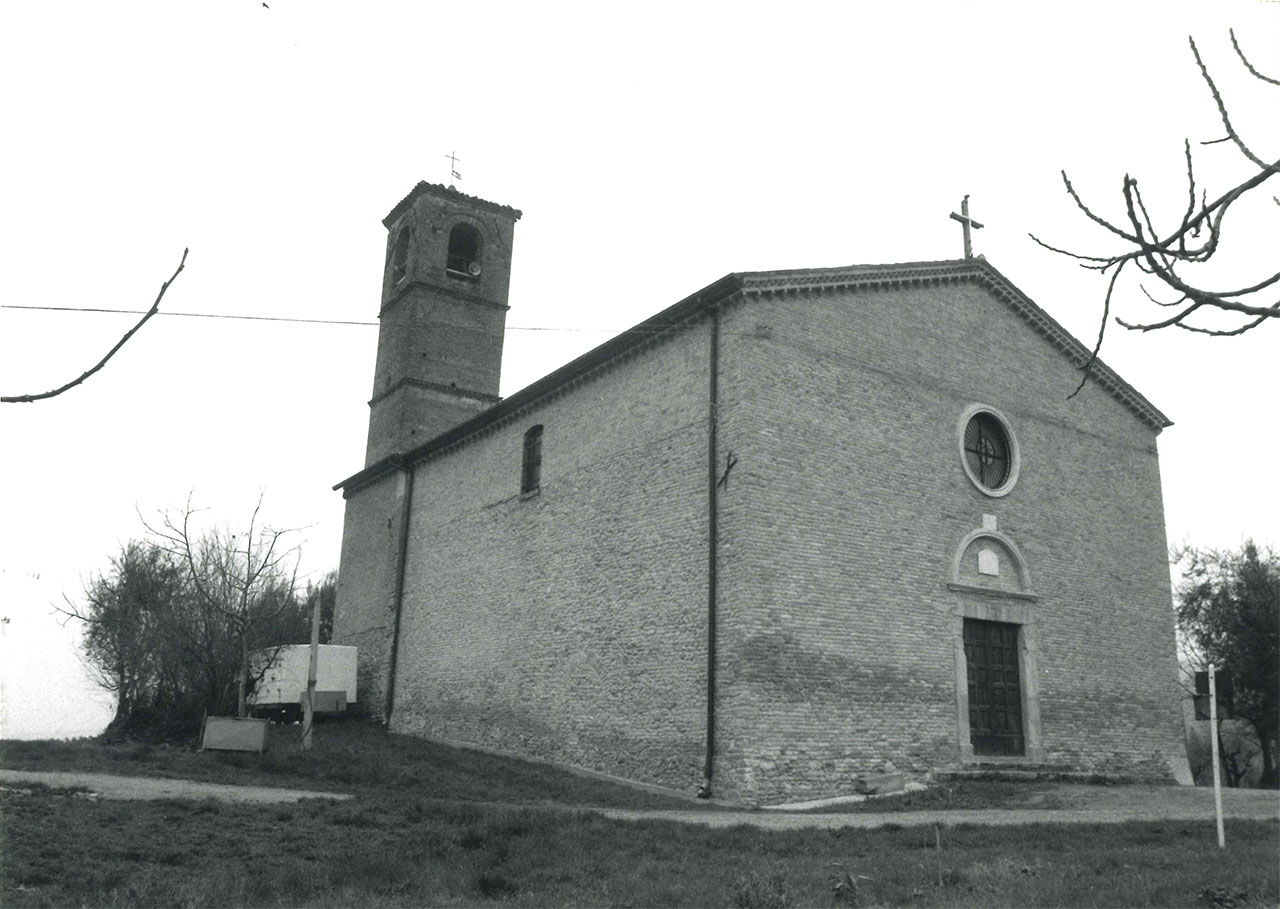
(967, 223)
(453, 166)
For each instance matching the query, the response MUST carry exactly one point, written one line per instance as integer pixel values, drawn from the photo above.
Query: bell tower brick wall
(441, 324)
(442, 317)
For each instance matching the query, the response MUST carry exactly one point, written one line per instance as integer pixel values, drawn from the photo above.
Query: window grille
(986, 448)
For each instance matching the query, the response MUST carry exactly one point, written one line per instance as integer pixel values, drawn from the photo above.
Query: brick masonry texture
(571, 625)
(842, 519)
(364, 614)
(440, 334)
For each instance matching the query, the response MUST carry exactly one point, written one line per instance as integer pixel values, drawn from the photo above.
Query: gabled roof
(748, 284)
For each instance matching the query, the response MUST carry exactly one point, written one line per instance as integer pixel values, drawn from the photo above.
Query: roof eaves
(1079, 354)
(670, 319)
(819, 279)
(446, 192)
(787, 281)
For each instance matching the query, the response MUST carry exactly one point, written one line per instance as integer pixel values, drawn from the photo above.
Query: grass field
(398, 844)
(347, 757)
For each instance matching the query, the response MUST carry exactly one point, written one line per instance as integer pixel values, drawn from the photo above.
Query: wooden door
(995, 696)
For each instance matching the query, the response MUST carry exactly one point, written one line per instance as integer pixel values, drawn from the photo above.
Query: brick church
(799, 527)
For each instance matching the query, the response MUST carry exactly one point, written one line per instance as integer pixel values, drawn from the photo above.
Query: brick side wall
(570, 625)
(411, 415)
(841, 521)
(364, 613)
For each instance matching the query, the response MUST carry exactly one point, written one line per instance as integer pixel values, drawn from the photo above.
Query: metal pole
(308, 708)
(1213, 738)
(713, 464)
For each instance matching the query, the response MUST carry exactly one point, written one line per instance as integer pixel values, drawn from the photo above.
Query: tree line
(1228, 608)
(170, 626)
(1228, 614)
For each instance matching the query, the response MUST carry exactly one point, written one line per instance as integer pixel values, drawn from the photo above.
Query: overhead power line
(215, 315)
(190, 315)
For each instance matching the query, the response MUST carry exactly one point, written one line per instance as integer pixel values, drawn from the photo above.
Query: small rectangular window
(531, 470)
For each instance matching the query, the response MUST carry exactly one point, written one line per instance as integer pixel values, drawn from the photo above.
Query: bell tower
(443, 315)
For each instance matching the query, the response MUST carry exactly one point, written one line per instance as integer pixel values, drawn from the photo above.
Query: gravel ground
(1074, 804)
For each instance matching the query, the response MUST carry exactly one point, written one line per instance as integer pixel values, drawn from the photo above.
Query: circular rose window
(988, 450)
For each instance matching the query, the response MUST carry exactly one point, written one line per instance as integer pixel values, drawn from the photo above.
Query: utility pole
(309, 704)
(1213, 737)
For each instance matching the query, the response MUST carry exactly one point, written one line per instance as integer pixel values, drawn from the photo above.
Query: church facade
(799, 527)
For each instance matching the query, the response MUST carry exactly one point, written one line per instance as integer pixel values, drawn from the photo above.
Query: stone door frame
(1012, 608)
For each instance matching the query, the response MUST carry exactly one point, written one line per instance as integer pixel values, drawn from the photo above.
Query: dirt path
(137, 787)
(1071, 804)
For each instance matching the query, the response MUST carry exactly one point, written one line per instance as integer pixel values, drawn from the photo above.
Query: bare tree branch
(1177, 302)
(247, 585)
(1245, 60)
(1164, 256)
(155, 307)
(1222, 107)
(1102, 328)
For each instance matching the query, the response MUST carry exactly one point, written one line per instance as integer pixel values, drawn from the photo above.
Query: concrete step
(1028, 772)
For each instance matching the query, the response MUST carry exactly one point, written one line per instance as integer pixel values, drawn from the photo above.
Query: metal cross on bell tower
(967, 223)
(453, 167)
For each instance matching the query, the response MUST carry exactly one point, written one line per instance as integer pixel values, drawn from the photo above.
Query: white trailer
(283, 682)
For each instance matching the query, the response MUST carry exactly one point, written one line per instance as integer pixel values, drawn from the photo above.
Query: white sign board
(229, 733)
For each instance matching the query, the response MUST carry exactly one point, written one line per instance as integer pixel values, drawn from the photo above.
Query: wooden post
(308, 706)
(1213, 738)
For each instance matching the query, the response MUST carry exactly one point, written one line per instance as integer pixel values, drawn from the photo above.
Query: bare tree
(1166, 255)
(155, 307)
(244, 577)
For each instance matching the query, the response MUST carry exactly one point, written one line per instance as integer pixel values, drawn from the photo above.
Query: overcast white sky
(652, 148)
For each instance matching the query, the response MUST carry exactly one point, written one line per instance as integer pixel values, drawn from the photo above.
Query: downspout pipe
(402, 556)
(713, 419)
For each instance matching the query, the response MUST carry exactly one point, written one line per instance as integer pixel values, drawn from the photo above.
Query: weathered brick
(572, 624)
